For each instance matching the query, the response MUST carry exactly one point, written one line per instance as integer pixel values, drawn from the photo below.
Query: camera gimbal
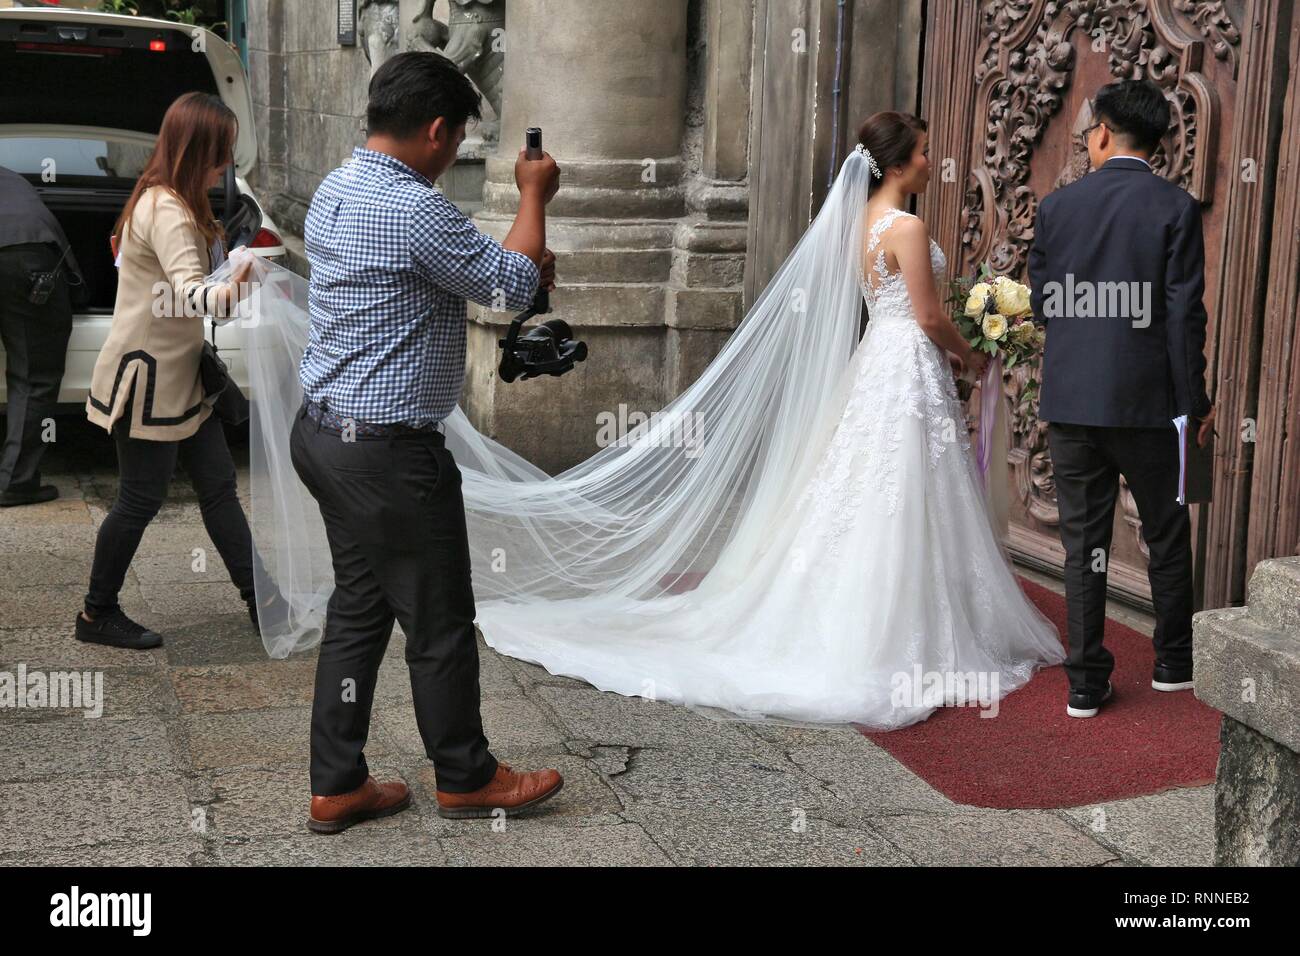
(549, 348)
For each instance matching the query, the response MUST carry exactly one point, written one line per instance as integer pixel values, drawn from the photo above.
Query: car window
(54, 156)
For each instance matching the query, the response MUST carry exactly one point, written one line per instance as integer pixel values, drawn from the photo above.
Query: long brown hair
(198, 135)
(890, 136)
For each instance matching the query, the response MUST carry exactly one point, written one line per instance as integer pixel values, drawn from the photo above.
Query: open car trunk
(89, 214)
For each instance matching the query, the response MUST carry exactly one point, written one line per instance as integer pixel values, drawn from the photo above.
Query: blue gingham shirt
(392, 263)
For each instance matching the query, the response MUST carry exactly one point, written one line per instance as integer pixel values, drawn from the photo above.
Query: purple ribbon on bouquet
(990, 386)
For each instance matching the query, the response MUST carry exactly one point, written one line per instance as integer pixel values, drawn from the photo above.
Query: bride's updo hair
(890, 137)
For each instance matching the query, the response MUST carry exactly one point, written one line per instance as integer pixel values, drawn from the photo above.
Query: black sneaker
(115, 629)
(1171, 678)
(1086, 703)
(27, 496)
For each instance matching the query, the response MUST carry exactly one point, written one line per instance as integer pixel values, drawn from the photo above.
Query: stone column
(607, 84)
(798, 137)
(705, 288)
(1248, 666)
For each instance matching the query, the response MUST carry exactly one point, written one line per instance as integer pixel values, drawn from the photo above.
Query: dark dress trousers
(35, 335)
(1117, 272)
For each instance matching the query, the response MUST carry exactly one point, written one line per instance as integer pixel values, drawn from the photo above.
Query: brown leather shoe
(367, 802)
(507, 790)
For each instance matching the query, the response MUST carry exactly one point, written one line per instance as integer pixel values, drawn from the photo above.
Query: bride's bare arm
(910, 243)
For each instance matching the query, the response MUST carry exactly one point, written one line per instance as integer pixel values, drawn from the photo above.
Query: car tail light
(264, 239)
(158, 46)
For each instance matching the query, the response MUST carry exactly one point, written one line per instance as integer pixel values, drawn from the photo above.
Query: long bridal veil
(679, 504)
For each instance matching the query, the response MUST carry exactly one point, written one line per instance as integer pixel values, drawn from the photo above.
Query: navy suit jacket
(1134, 356)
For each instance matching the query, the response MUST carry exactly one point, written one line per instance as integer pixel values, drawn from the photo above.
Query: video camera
(549, 348)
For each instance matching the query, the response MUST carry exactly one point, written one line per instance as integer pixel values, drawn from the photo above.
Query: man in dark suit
(35, 325)
(1117, 271)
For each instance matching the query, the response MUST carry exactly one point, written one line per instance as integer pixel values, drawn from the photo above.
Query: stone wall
(309, 99)
(647, 108)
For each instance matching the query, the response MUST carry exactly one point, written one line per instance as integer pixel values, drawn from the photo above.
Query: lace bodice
(886, 292)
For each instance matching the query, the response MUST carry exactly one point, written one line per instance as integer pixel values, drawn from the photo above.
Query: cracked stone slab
(246, 686)
(86, 811)
(863, 775)
(763, 837)
(40, 568)
(255, 738)
(596, 715)
(46, 606)
(625, 844)
(990, 838)
(1173, 828)
(124, 692)
(223, 639)
(199, 602)
(179, 568)
(187, 852)
(718, 781)
(365, 844)
(77, 746)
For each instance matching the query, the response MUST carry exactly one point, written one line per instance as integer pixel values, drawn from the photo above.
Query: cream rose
(994, 326)
(977, 299)
(1012, 297)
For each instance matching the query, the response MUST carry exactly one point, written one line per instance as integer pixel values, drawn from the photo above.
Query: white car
(82, 96)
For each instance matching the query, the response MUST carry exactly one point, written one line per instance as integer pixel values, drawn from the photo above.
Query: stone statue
(377, 31)
(473, 39)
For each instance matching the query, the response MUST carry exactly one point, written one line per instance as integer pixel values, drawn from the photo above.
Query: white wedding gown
(800, 534)
(886, 568)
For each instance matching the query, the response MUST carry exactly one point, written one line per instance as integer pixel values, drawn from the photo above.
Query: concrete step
(1249, 671)
(1274, 594)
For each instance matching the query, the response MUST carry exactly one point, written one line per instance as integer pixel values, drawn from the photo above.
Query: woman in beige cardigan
(145, 389)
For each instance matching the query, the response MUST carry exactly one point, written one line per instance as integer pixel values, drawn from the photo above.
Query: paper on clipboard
(1180, 424)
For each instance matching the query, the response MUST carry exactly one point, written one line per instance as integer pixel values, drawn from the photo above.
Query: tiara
(871, 161)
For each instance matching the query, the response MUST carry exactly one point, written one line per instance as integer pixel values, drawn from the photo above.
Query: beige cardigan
(164, 264)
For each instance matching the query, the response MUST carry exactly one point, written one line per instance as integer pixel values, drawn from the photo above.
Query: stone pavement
(200, 755)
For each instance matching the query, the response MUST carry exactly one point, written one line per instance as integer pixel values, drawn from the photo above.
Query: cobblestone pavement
(200, 754)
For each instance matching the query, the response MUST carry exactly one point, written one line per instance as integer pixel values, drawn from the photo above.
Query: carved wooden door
(1006, 89)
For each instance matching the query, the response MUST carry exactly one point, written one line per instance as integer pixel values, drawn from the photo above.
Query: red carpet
(1033, 756)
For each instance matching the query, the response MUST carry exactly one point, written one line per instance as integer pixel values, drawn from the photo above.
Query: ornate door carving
(1007, 86)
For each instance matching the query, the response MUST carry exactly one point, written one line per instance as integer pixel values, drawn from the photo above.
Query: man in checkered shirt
(392, 263)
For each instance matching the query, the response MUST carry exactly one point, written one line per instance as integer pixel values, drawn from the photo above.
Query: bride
(801, 534)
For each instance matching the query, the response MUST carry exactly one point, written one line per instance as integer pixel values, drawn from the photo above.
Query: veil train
(681, 504)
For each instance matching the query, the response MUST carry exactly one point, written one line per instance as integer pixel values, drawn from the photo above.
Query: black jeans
(36, 345)
(145, 470)
(1087, 462)
(395, 521)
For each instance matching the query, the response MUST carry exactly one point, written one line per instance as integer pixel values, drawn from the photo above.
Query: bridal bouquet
(994, 317)
(992, 313)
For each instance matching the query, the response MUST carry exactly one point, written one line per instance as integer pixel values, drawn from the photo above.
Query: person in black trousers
(146, 389)
(1117, 272)
(35, 325)
(392, 263)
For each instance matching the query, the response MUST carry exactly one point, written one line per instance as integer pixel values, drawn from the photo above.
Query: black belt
(337, 424)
